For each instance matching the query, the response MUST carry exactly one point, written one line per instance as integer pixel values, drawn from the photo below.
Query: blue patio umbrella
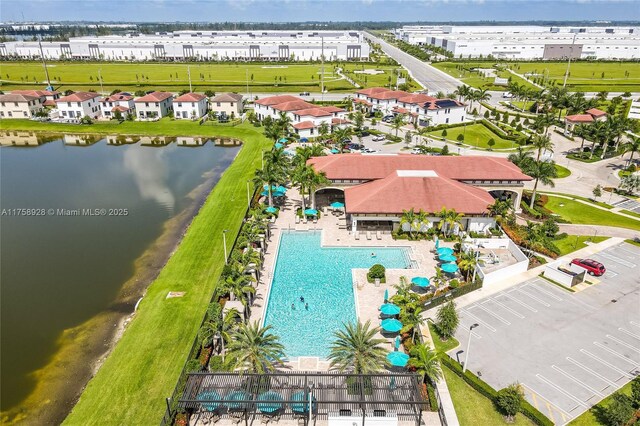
(397, 342)
(304, 140)
(335, 151)
(391, 325)
(449, 268)
(207, 396)
(447, 258)
(270, 402)
(386, 295)
(390, 309)
(420, 281)
(337, 205)
(281, 188)
(444, 250)
(397, 359)
(283, 140)
(238, 396)
(437, 244)
(271, 209)
(311, 212)
(278, 145)
(303, 405)
(278, 194)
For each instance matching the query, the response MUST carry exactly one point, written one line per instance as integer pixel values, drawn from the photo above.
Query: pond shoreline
(81, 350)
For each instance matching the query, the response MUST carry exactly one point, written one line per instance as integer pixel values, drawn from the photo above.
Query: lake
(90, 210)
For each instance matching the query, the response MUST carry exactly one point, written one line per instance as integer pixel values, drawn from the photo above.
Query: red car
(592, 267)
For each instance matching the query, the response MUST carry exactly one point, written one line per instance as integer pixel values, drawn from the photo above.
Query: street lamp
(224, 243)
(466, 356)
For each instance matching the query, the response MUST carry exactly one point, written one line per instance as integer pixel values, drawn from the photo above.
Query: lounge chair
(297, 219)
(304, 219)
(325, 210)
(378, 235)
(315, 219)
(369, 235)
(357, 235)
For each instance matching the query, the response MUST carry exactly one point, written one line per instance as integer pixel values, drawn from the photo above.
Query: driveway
(568, 350)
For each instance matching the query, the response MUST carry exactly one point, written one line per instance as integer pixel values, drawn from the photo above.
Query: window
(146, 104)
(15, 104)
(179, 104)
(2, 103)
(79, 104)
(217, 103)
(9, 114)
(231, 103)
(1, 114)
(68, 104)
(25, 113)
(447, 121)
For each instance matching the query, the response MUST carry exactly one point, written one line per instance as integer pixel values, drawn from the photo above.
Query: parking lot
(568, 350)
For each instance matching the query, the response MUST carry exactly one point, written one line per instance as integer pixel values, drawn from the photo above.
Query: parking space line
(562, 391)
(548, 293)
(473, 333)
(590, 371)
(612, 352)
(632, 253)
(606, 363)
(549, 403)
(578, 381)
(519, 302)
(634, 323)
(498, 317)
(534, 298)
(633, 348)
(617, 260)
(629, 333)
(506, 308)
(480, 321)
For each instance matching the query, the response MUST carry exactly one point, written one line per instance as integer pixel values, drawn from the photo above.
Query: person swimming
(306, 306)
(373, 254)
(293, 306)
(302, 299)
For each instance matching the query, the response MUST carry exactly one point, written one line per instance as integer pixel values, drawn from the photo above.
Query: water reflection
(150, 173)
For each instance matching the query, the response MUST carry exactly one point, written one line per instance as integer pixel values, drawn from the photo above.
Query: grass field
(589, 417)
(143, 368)
(575, 242)
(562, 172)
(579, 213)
(475, 79)
(373, 80)
(476, 135)
(284, 77)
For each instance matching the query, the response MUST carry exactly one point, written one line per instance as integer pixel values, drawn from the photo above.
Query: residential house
(19, 106)
(122, 102)
(48, 97)
(154, 105)
(79, 105)
(231, 104)
(377, 188)
(189, 106)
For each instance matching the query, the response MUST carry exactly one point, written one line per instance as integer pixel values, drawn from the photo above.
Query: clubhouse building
(377, 188)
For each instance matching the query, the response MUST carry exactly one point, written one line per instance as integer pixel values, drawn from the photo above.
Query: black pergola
(243, 395)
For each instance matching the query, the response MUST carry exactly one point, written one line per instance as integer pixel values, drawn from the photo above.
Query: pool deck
(368, 296)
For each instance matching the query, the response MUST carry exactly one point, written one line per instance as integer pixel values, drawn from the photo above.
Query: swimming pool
(323, 277)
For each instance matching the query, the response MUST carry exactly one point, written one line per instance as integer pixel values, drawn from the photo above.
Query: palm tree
(521, 158)
(467, 263)
(602, 96)
(541, 171)
(449, 219)
(312, 181)
(397, 123)
(254, 348)
(426, 363)
(283, 123)
(409, 217)
(358, 121)
(542, 123)
(481, 96)
(324, 130)
(542, 143)
(411, 318)
(557, 97)
(239, 285)
(341, 136)
(462, 92)
(632, 146)
(499, 209)
(576, 103)
(271, 175)
(356, 349)
(423, 132)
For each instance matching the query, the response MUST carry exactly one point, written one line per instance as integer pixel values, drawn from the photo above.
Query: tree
(357, 349)
(630, 183)
(271, 175)
(426, 363)
(542, 143)
(445, 149)
(499, 209)
(447, 320)
(254, 348)
(410, 218)
(460, 138)
(324, 130)
(397, 123)
(117, 115)
(411, 318)
(632, 146)
(597, 192)
(619, 411)
(541, 171)
(358, 121)
(444, 133)
(467, 263)
(491, 142)
(509, 400)
(635, 391)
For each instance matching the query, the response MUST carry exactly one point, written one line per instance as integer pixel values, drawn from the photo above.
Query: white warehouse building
(202, 45)
(528, 42)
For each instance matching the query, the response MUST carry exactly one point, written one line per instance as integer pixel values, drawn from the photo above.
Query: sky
(317, 10)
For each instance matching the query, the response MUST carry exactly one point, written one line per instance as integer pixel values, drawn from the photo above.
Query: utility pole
(189, 74)
(44, 64)
(566, 74)
(322, 68)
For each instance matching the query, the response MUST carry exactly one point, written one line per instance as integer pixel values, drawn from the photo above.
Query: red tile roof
(78, 97)
(304, 125)
(336, 121)
(17, 97)
(122, 96)
(314, 112)
(190, 97)
(362, 101)
(227, 97)
(155, 97)
(378, 166)
(293, 106)
(389, 94)
(424, 190)
(579, 118)
(49, 102)
(35, 92)
(120, 108)
(372, 90)
(273, 100)
(401, 110)
(596, 112)
(417, 99)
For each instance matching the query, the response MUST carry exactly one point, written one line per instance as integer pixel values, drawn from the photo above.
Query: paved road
(429, 77)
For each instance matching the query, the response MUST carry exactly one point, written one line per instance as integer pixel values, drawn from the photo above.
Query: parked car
(364, 133)
(507, 95)
(416, 150)
(387, 118)
(593, 267)
(304, 93)
(378, 138)
(355, 146)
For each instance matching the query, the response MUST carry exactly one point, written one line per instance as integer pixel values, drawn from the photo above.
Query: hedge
(484, 389)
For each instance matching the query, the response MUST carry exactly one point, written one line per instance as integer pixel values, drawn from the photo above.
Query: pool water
(323, 277)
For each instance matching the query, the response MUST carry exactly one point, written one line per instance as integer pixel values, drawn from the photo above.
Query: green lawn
(562, 172)
(372, 80)
(476, 80)
(577, 197)
(473, 408)
(572, 243)
(630, 213)
(579, 213)
(588, 418)
(476, 135)
(442, 347)
(270, 77)
(132, 384)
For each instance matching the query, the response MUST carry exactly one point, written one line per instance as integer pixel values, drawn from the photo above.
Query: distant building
(190, 106)
(634, 111)
(19, 106)
(231, 104)
(48, 97)
(78, 105)
(122, 102)
(154, 105)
